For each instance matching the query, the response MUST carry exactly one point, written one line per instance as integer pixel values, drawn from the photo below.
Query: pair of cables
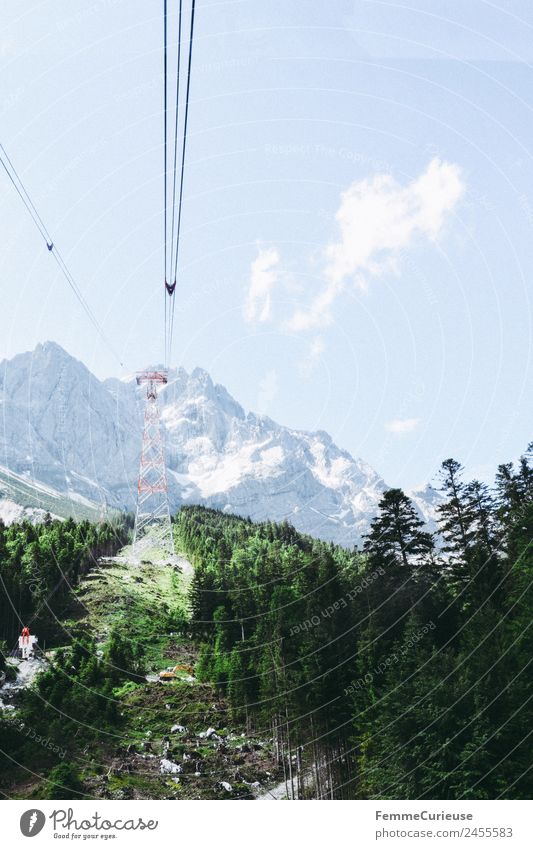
(175, 139)
(173, 200)
(19, 187)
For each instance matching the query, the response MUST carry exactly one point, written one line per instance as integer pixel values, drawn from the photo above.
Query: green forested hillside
(41, 564)
(96, 722)
(401, 671)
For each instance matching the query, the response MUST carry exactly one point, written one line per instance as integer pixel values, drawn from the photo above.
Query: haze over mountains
(76, 441)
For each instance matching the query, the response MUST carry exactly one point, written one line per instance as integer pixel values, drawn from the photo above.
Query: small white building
(26, 645)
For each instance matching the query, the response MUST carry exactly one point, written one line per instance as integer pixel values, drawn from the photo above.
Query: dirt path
(279, 791)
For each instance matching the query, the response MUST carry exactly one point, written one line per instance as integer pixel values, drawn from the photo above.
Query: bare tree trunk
(290, 753)
(285, 776)
(315, 761)
(330, 772)
(299, 774)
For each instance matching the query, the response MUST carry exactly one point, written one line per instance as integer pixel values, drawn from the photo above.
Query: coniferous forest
(41, 564)
(399, 670)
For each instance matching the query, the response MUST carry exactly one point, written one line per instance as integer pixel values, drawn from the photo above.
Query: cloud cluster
(401, 426)
(264, 275)
(377, 220)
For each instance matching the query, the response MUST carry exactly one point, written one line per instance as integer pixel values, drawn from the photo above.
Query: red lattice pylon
(153, 527)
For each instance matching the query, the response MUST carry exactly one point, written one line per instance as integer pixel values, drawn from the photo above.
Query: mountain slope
(22, 498)
(64, 428)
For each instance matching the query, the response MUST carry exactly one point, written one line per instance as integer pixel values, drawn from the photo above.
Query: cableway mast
(153, 528)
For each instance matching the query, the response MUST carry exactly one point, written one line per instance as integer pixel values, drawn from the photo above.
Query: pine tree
(482, 512)
(397, 535)
(455, 518)
(508, 489)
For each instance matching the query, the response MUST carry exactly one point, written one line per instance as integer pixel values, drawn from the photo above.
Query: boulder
(167, 767)
(224, 785)
(210, 734)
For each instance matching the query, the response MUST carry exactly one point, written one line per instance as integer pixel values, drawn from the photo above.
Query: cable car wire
(165, 125)
(176, 139)
(24, 196)
(52, 248)
(175, 232)
(178, 229)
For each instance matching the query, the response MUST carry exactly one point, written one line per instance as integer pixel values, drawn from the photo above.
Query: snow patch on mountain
(11, 512)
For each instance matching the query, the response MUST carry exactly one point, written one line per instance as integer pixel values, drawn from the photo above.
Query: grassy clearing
(149, 603)
(146, 601)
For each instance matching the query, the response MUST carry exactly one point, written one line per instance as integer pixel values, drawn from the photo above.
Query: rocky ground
(26, 670)
(178, 742)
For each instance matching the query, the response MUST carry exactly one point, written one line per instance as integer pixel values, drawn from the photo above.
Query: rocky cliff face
(65, 429)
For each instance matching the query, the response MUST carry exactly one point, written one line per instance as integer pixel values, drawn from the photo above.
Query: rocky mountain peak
(64, 428)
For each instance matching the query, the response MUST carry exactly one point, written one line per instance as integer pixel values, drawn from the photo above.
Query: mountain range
(70, 444)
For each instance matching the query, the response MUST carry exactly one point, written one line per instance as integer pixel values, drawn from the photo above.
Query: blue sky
(358, 214)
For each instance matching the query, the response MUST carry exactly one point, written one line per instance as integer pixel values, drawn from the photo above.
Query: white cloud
(263, 277)
(378, 219)
(317, 348)
(402, 425)
(312, 357)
